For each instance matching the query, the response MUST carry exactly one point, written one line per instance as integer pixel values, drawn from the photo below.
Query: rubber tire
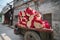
(34, 34)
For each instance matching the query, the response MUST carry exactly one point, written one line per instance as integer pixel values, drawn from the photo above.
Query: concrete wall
(53, 6)
(48, 6)
(22, 8)
(56, 25)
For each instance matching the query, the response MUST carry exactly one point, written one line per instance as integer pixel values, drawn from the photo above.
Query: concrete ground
(7, 33)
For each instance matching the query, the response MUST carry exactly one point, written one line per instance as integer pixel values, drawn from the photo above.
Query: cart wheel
(31, 35)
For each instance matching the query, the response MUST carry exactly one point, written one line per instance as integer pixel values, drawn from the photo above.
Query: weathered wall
(53, 6)
(22, 8)
(48, 6)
